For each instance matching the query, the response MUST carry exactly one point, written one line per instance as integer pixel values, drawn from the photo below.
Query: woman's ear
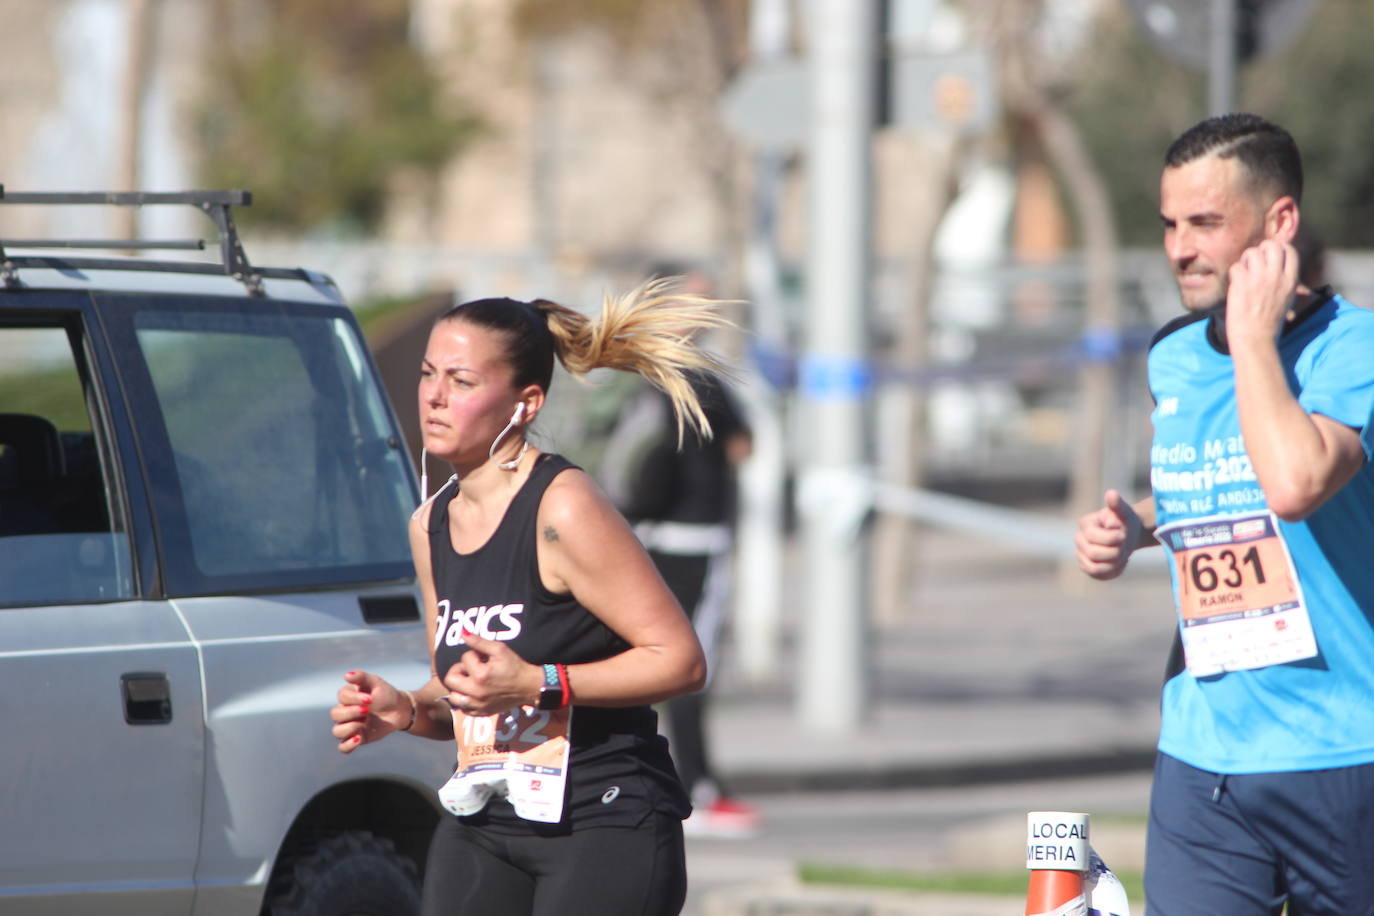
(531, 402)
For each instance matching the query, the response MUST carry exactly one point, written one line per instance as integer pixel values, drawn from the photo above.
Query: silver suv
(203, 500)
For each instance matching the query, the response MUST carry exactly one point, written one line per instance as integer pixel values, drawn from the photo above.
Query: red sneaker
(724, 817)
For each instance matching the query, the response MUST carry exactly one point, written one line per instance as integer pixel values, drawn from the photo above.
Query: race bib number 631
(1239, 599)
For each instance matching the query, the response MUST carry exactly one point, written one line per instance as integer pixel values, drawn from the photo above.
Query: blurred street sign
(769, 104)
(1181, 29)
(953, 91)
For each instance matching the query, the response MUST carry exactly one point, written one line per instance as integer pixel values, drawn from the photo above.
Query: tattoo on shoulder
(550, 533)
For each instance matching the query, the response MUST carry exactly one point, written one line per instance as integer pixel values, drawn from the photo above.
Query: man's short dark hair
(1268, 152)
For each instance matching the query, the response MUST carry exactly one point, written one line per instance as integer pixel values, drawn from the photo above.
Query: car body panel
(191, 815)
(97, 805)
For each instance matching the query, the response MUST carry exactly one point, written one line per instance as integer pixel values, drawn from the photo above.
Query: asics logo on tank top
(496, 621)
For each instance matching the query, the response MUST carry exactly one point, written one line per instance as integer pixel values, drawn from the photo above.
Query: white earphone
(514, 463)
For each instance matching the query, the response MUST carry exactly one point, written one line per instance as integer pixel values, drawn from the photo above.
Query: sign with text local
(1057, 840)
(769, 103)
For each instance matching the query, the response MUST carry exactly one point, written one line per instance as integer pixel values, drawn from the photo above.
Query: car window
(61, 539)
(282, 449)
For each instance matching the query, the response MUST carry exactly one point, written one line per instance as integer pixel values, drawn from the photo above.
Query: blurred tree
(549, 18)
(315, 105)
(1130, 102)
(1315, 88)
(1033, 76)
(678, 55)
(635, 24)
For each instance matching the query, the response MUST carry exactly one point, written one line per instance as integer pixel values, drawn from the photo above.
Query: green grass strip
(953, 882)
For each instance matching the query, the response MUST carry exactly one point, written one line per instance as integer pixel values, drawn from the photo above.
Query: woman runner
(552, 632)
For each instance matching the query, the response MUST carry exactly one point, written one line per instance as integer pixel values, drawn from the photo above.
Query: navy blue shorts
(1242, 845)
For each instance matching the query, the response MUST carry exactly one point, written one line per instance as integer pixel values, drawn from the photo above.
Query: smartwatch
(553, 693)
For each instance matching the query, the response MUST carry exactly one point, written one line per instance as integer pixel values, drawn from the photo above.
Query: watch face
(550, 697)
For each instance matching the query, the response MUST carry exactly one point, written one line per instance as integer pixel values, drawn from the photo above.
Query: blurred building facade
(598, 152)
(592, 149)
(65, 106)
(602, 153)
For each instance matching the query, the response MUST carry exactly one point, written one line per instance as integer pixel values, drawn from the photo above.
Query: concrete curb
(943, 775)
(791, 898)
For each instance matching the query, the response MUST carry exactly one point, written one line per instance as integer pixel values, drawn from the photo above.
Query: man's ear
(1281, 220)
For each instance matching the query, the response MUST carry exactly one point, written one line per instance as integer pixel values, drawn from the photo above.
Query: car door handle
(389, 609)
(147, 698)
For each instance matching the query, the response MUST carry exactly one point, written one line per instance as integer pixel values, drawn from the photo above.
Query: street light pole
(758, 595)
(1221, 68)
(835, 375)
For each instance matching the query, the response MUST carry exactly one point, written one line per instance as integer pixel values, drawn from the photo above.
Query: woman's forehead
(455, 344)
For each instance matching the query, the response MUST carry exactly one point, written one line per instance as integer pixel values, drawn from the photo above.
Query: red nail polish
(357, 739)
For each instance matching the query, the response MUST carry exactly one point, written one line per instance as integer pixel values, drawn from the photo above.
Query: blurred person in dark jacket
(679, 493)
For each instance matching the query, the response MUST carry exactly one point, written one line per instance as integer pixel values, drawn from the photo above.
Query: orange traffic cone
(1056, 893)
(1057, 856)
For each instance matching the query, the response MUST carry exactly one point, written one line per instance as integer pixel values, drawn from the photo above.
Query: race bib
(1238, 596)
(520, 754)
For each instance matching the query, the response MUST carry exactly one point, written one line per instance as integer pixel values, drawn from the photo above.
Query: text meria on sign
(1050, 852)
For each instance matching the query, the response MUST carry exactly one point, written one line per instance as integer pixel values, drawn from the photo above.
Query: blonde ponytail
(648, 331)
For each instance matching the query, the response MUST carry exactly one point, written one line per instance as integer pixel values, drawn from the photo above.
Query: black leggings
(639, 871)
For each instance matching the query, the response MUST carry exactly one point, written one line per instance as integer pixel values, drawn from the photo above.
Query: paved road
(974, 828)
(997, 690)
(993, 671)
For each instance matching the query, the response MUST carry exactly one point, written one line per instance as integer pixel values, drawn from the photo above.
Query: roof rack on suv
(214, 204)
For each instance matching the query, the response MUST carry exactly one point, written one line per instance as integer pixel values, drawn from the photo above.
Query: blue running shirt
(1314, 712)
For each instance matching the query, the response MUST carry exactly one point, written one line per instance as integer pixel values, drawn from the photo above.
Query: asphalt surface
(937, 831)
(995, 670)
(1000, 678)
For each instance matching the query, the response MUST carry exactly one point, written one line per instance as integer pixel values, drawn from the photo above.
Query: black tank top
(619, 769)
